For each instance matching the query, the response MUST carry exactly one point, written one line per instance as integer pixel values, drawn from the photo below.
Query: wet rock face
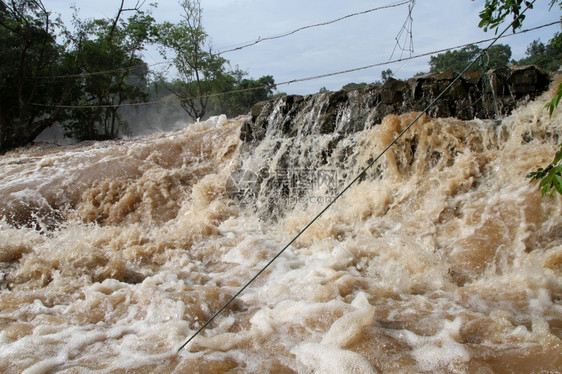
(474, 95)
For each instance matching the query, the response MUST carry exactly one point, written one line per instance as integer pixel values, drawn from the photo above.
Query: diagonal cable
(359, 176)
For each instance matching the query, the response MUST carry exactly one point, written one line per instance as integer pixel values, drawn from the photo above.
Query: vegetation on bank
(547, 56)
(494, 13)
(85, 77)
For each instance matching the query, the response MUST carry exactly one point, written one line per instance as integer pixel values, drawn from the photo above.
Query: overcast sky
(354, 42)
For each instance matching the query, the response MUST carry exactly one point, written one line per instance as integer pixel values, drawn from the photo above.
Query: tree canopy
(82, 78)
(199, 68)
(457, 60)
(547, 56)
(29, 60)
(111, 46)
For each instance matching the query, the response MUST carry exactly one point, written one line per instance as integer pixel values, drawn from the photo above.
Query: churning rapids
(442, 259)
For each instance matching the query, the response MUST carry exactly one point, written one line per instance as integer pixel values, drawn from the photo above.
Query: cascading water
(442, 259)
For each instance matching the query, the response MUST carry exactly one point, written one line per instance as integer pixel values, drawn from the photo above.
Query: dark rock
(473, 95)
(472, 77)
(393, 91)
(287, 142)
(445, 76)
(528, 79)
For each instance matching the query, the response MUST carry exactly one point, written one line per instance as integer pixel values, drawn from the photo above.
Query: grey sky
(354, 42)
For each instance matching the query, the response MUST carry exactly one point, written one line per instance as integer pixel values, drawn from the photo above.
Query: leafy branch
(551, 105)
(550, 177)
(493, 14)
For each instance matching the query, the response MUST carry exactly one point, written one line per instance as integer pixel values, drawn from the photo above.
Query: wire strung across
(359, 176)
(306, 78)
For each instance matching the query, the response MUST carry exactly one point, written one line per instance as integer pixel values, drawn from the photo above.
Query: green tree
(30, 58)
(353, 86)
(495, 12)
(453, 60)
(497, 55)
(386, 75)
(200, 70)
(547, 56)
(550, 177)
(111, 47)
(242, 93)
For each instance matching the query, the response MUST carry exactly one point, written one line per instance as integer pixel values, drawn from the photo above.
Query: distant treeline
(547, 56)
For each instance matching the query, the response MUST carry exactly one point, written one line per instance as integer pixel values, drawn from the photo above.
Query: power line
(260, 40)
(412, 57)
(116, 70)
(359, 176)
(327, 75)
(249, 44)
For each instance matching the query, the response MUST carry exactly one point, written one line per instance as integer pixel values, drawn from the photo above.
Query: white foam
(440, 350)
(321, 358)
(385, 253)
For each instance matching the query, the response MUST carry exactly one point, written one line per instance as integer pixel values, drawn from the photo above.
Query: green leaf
(558, 156)
(557, 183)
(552, 181)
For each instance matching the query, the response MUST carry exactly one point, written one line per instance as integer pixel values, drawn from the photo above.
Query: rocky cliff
(474, 95)
(294, 144)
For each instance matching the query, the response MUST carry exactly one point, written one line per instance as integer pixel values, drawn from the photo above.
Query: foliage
(551, 105)
(43, 81)
(453, 60)
(496, 56)
(30, 56)
(550, 177)
(353, 86)
(202, 73)
(496, 11)
(386, 74)
(234, 94)
(547, 56)
(83, 78)
(242, 93)
(110, 46)
(200, 70)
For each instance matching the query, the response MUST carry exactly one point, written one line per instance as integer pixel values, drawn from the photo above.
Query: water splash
(443, 258)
